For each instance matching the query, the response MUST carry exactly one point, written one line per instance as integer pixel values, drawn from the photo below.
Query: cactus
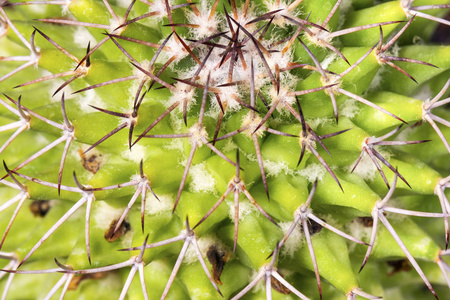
(278, 149)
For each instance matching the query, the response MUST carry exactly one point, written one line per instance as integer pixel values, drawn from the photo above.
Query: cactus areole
(254, 149)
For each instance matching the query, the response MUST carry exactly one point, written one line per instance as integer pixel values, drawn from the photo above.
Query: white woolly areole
(198, 135)
(121, 120)
(135, 154)
(278, 17)
(309, 141)
(104, 214)
(218, 75)
(245, 208)
(145, 64)
(261, 76)
(184, 92)
(54, 85)
(158, 6)
(153, 206)
(176, 123)
(202, 180)
(251, 121)
(275, 168)
(282, 97)
(392, 51)
(174, 48)
(204, 243)
(134, 86)
(82, 37)
(294, 242)
(319, 37)
(359, 231)
(90, 97)
(114, 23)
(316, 122)
(213, 110)
(82, 70)
(227, 96)
(331, 79)
(243, 20)
(349, 108)
(366, 169)
(279, 58)
(284, 61)
(207, 27)
(135, 177)
(328, 60)
(159, 264)
(377, 80)
(229, 146)
(127, 239)
(313, 172)
(175, 144)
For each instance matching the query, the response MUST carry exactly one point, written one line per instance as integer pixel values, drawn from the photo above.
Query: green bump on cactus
(224, 149)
